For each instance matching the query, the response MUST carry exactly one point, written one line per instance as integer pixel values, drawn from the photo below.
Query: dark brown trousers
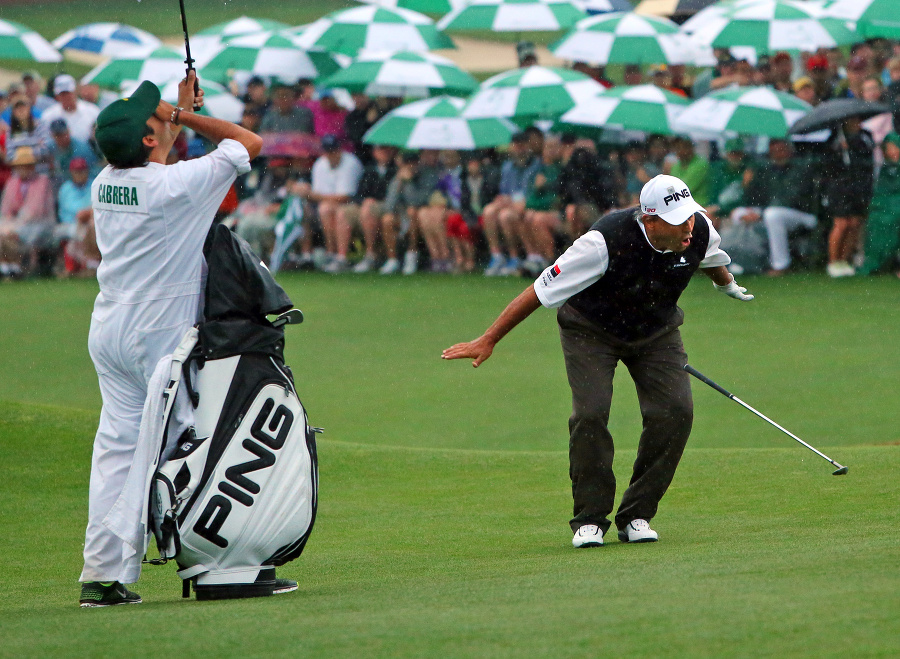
(664, 394)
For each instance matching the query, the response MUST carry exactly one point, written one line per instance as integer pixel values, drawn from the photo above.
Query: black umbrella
(830, 114)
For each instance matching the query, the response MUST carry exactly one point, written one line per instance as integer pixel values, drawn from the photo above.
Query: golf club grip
(196, 84)
(697, 374)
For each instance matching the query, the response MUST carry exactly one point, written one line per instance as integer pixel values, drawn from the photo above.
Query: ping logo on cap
(674, 196)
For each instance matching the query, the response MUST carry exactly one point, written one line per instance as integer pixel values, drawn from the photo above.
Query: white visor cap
(669, 198)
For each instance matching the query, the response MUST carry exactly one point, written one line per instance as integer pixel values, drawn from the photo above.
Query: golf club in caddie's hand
(841, 469)
(187, 51)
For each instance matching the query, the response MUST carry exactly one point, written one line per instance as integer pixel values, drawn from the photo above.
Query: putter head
(840, 472)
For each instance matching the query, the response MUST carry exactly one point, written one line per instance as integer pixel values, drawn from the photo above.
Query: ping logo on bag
(268, 433)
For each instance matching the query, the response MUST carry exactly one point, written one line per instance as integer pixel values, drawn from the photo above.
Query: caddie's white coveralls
(151, 223)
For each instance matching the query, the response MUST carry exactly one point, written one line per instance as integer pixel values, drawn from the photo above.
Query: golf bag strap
(193, 571)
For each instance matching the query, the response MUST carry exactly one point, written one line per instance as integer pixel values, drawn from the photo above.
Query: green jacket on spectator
(726, 184)
(883, 225)
(546, 196)
(791, 185)
(696, 175)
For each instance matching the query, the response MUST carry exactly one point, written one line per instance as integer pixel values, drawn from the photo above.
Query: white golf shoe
(638, 530)
(588, 535)
(390, 267)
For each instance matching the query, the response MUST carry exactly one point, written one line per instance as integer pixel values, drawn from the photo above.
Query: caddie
(151, 223)
(617, 289)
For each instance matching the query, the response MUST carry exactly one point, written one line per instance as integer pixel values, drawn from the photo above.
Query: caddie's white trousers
(780, 220)
(125, 343)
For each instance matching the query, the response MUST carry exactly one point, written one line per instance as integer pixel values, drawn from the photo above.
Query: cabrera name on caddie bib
(120, 196)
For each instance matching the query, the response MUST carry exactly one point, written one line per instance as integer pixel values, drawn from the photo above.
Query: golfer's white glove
(733, 290)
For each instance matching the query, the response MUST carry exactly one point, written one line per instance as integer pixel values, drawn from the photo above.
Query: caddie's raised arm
(211, 128)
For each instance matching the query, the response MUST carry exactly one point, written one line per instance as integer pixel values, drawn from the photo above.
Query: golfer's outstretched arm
(482, 347)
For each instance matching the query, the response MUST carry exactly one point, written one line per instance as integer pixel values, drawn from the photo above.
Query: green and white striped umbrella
(373, 28)
(773, 25)
(744, 111)
(218, 102)
(206, 40)
(513, 16)
(424, 6)
(403, 74)
(873, 18)
(624, 38)
(435, 123)
(531, 94)
(641, 107)
(18, 41)
(269, 54)
(159, 66)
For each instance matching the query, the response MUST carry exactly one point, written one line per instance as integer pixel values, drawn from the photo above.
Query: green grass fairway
(442, 528)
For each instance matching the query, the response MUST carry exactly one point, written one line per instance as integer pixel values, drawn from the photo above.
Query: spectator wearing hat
(883, 226)
(359, 120)
(526, 54)
(662, 78)
(817, 68)
(335, 180)
(691, 168)
(80, 116)
(76, 221)
(328, 116)
(852, 85)
(285, 116)
(27, 214)
(256, 96)
(64, 148)
(805, 90)
(892, 92)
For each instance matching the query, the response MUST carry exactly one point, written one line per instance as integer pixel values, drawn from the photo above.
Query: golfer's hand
(478, 350)
(187, 98)
(733, 290)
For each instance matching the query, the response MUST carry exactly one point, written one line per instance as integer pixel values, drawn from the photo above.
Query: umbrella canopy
(373, 28)
(773, 25)
(20, 42)
(435, 123)
(216, 35)
(874, 18)
(403, 74)
(830, 114)
(743, 110)
(672, 8)
(424, 6)
(513, 16)
(714, 10)
(594, 7)
(624, 38)
(645, 108)
(266, 54)
(531, 94)
(159, 66)
(108, 39)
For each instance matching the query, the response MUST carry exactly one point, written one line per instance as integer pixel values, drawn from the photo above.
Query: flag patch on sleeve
(552, 272)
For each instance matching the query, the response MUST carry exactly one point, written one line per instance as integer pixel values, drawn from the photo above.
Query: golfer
(151, 222)
(616, 289)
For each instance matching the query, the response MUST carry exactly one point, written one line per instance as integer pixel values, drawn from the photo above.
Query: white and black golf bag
(237, 497)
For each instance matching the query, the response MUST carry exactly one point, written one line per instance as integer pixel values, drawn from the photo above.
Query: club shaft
(697, 374)
(187, 44)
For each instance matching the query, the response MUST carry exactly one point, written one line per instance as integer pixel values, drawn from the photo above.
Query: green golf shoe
(95, 594)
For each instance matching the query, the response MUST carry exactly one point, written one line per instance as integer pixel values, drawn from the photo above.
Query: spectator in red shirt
(329, 117)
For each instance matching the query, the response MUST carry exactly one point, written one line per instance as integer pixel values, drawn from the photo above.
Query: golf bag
(237, 496)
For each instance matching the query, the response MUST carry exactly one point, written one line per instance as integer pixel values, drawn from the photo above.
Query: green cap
(121, 125)
(892, 138)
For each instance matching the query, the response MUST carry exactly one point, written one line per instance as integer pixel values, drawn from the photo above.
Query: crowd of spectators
(357, 207)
